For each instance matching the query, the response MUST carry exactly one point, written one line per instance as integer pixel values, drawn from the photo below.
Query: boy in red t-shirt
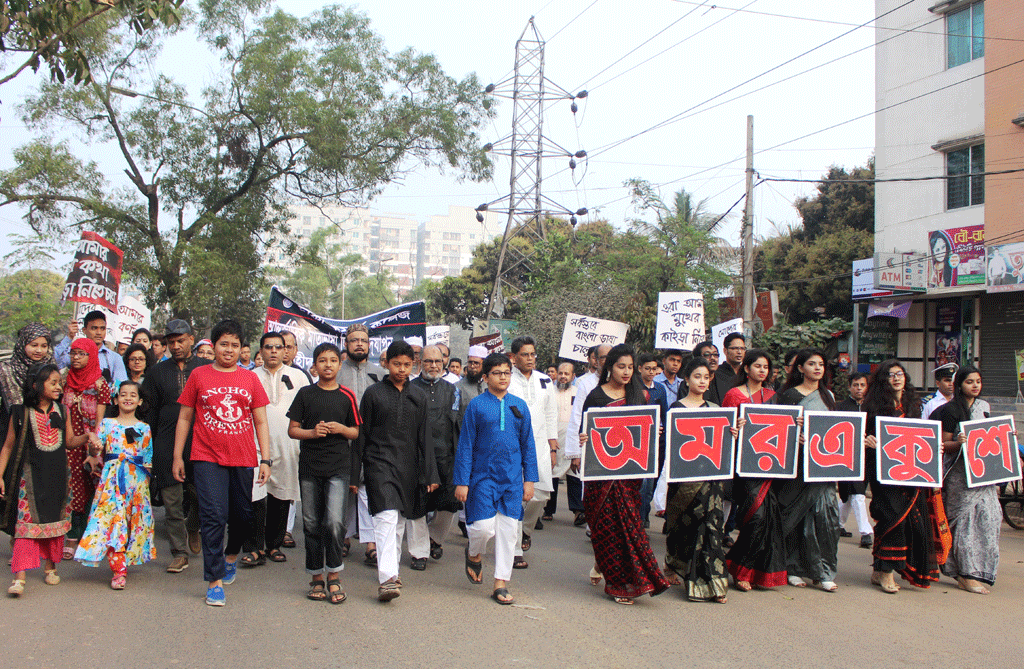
(228, 404)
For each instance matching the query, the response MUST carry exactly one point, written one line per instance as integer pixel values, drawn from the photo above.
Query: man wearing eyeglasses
(537, 389)
(720, 384)
(586, 383)
(291, 351)
(735, 348)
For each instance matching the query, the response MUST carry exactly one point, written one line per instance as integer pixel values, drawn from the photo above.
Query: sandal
(436, 550)
(371, 557)
(965, 584)
(346, 548)
(519, 562)
(17, 587)
(288, 542)
(118, 582)
(721, 599)
(335, 596)
(878, 578)
(595, 576)
(474, 570)
(275, 555)
(51, 577)
(796, 582)
(672, 577)
(527, 542)
(253, 559)
(827, 586)
(743, 586)
(68, 553)
(502, 597)
(626, 601)
(316, 591)
(388, 590)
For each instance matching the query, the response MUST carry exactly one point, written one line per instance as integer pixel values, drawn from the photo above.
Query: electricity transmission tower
(525, 204)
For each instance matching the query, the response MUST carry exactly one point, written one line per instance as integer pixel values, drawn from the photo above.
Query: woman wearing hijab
(86, 395)
(34, 346)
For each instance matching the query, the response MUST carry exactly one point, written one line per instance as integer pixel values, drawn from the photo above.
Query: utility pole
(748, 237)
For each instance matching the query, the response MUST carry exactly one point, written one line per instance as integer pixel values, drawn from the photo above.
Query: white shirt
(284, 475)
(933, 404)
(584, 385)
(539, 394)
(451, 378)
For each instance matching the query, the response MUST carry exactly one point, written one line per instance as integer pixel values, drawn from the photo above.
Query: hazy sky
(684, 53)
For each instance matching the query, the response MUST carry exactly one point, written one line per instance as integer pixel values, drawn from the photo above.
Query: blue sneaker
(230, 570)
(215, 596)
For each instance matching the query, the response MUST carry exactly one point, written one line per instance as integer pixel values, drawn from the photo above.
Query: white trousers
(440, 526)
(418, 536)
(359, 521)
(388, 529)
(291, 515)
(503, 530)
(660, 500)
(859, 506)
(532, 510)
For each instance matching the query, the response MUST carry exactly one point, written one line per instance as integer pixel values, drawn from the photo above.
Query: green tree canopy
(312, 109)
(31, 295)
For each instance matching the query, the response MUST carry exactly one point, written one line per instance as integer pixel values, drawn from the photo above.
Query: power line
(572, 20)
(895, 179)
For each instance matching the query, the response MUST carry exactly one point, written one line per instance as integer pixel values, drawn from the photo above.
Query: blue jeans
(225, 503)
(323, 521)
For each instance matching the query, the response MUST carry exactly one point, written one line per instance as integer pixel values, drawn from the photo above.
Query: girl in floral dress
(34, 487)
(121, 522)
(86, 394)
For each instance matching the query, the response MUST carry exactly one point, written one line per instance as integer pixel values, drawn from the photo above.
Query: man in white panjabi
(584, 384)
(538, 391)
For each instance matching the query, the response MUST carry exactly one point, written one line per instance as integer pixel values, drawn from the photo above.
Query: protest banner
(405, 321)
(721, 331)
(767, 445)
(680, 322)
(582, 332)
(700, 444)
(833, 446)
(908, 452)
(438, 334)
(990, 452)
(95, 276)
(494, 343)
(622, 443)
(132, 314)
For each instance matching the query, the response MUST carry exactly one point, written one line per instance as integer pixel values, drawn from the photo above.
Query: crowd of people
(237, 446)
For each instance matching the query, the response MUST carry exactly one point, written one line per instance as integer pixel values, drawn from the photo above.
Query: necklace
(47, 437)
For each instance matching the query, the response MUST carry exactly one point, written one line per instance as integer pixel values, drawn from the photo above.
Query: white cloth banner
(721, 331)
(680, 321)
(438, 334)
(582, 332)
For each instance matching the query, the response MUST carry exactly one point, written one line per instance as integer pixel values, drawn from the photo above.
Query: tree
(321, 275)
(60, 33)
(314, 109)
(838, 228)
(371, 294)
(31, 295)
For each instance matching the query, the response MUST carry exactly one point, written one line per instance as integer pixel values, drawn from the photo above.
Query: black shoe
(580, 520)
(436, 550)
(844, 534)
(462, 528)
(519, 562)
(539, 525)
(547, 516)
(866, 540)
(418, 564)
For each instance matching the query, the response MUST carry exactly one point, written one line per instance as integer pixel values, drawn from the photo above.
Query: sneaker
(419, 564)
(230, 571)
(178, 564)
(215, 596)
(866, 540)
(195, 542)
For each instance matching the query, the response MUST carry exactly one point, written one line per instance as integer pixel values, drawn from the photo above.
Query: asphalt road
(441, 620)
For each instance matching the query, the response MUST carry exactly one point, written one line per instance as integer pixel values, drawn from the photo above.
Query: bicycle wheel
(1013, 513)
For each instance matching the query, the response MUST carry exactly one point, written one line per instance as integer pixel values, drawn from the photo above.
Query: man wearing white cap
(943, 389)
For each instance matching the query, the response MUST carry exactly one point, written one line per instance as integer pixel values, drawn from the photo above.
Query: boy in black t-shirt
(325, 417)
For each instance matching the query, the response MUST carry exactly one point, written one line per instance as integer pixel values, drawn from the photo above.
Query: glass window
(966, 185)
(965, 38)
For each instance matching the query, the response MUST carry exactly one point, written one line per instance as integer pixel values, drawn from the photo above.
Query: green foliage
(370, 294)
(314, 109)
(784, 337)
(321, 274)
(61, 34)
(838, 228)
(31, 295)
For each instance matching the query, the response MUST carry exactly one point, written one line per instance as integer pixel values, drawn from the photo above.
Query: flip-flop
(474, 569)
(502, 592)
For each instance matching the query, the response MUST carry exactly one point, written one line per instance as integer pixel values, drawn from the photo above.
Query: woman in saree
(904, 543)
(810, 512)
(974, 514)
(622, 552)
(758, 558)
(695, 516)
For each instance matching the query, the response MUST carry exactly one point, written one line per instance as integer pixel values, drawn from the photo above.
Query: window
(966, 185)
(965, 38)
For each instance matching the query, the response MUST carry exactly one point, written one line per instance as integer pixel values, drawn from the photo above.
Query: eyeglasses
(433, 362)
(137, 358)
(526, 355)
(709, 354)
(78, 354)
(737, 348)
(500, 375)
(273, 347)
(896, 375)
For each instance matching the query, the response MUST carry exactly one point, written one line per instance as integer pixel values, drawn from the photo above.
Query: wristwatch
(269, 463)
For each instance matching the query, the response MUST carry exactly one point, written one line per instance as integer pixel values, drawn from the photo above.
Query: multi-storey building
(949, 80)
(412, 251)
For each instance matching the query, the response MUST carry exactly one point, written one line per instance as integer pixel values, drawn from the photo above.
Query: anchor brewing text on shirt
(622, 443)
(991, 454)
(583, 332)
(680, 321)
(908, 452)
